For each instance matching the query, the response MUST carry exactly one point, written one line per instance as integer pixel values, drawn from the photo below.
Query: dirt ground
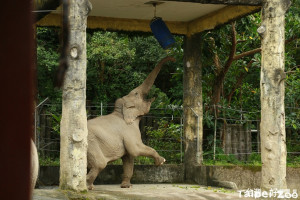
(140, 191)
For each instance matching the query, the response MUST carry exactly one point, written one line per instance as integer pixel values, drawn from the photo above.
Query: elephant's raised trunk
(148, 82)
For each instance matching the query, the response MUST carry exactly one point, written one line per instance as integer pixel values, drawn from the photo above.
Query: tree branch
(216, 58)
(238, 82)
(233, 49)
(254, 51)
(247, 53)
(291, 39)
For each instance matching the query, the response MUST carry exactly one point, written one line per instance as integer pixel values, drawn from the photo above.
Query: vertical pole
(17, 81)
(101, 108)
(35, 125)
(198, 153)
(192, 98)
(215, 132)
(273, 136)
(258, 137)
(181, 138)
(37, 118)
(73, 129)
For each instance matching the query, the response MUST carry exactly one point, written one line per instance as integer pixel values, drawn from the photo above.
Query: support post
(273, 136)
(18, 89)
(73, 159)
(192, 104)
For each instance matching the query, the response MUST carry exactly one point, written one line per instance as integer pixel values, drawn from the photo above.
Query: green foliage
(292, 63)
(48, 161)
(109, 47)
(148, 53)
(56, 123)
(47, 62)
(292, 146)
(255, 159)
(166, 137)
(220, 157)
(109, 57)
(119, 62)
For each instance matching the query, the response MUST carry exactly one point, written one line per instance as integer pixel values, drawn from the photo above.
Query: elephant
(117, 135)
(34, 165)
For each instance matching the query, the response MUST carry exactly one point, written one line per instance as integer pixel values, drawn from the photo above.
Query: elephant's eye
(136, 93)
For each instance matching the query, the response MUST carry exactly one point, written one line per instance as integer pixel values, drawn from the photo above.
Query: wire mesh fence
(231, 136)
(161, 129)
(234, 137)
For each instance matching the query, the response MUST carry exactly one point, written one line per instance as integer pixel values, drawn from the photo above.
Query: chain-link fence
(230, 135)
(161, 129)
(233, 136)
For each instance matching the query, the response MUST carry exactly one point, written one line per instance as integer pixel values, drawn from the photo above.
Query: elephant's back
(107, 123)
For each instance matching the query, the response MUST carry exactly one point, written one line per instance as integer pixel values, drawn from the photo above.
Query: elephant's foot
(126, 184)
(159, 161)
(91, 187)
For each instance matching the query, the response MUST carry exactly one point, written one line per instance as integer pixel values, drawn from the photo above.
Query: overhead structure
(185, 17)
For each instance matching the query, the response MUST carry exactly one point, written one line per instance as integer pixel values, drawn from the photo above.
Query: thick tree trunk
(73, 161)
(273, 137)
(192, 103)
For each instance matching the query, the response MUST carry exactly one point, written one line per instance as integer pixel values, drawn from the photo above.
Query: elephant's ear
(130, 112)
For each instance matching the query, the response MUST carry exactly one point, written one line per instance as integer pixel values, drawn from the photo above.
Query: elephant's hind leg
(96, 165)
(128, 163)
(91, 176)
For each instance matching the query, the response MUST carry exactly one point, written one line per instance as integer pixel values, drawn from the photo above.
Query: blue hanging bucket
(161, 33)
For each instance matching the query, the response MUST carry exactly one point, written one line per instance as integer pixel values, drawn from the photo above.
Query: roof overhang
(185, 17)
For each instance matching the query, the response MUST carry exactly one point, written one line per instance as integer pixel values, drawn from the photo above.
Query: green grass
(254, 160)
(141, 160)
(49, 161)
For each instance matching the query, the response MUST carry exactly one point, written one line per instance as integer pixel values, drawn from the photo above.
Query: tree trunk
(102, 72)
(192, 102)
(273, 137)
(217, 89)
(73, 161)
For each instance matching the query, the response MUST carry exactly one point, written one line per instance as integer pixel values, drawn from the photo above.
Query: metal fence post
(215, 132)
(198, 147)
(37, 142)
(181, 138)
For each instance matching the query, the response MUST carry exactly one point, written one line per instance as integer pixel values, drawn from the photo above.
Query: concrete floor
(141, 191)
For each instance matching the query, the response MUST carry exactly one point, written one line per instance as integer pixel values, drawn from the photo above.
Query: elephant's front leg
(136, 148)
(150, 152)
(128, 163)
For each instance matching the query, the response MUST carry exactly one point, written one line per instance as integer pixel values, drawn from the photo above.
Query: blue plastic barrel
(161, 33)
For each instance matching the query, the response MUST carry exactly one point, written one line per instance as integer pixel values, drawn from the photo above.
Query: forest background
(119, 61)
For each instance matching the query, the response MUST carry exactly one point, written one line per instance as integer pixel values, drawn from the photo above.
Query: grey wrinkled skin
(117, 135)
(34, 168)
